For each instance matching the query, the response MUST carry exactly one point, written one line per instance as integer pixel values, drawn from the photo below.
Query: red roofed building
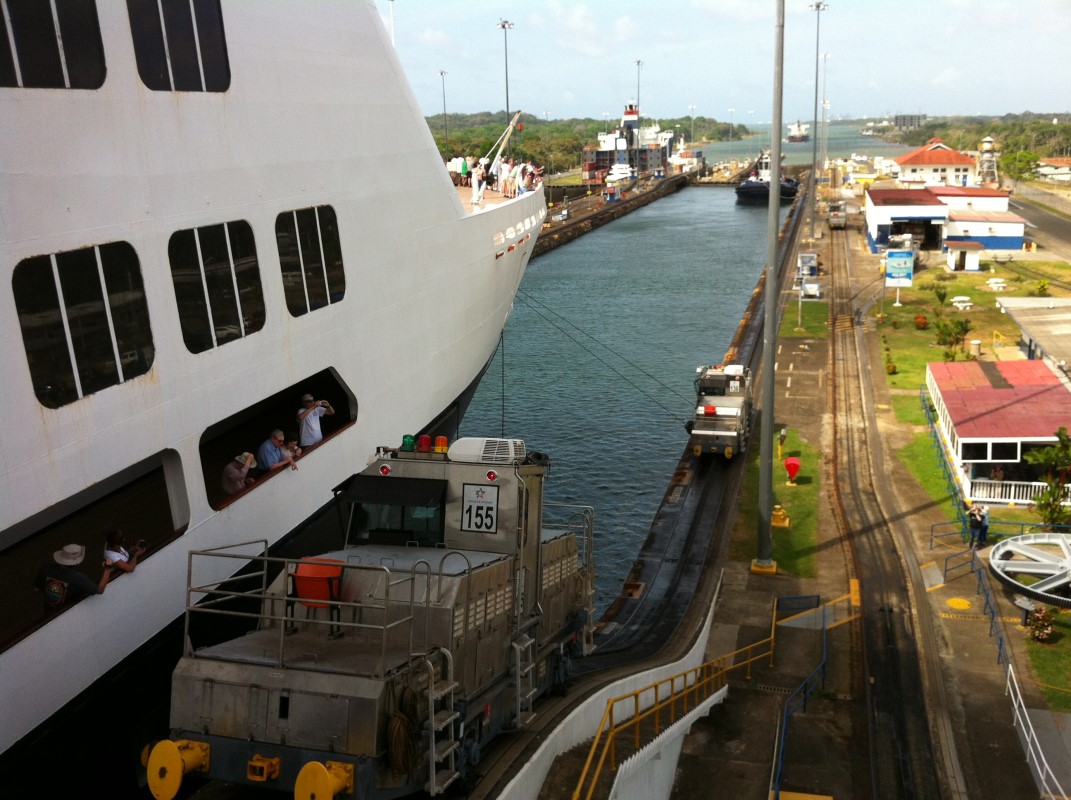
(989, 413)
(1055, 169)
(936, 164)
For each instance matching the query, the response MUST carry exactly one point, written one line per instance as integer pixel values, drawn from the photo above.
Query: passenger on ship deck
(292, 444)
(116, 555)
(505, 171)
(479, 181)
(272, 454)
(309, 419)
(61, 584)
(236, 473)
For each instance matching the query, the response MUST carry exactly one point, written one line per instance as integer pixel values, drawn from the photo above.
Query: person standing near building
(974, 526)
(983, 528)
(309, 419)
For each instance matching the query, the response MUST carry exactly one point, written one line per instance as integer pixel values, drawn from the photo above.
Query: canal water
(598, 357)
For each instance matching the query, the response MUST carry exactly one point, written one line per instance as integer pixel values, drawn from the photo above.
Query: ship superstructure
(209, 210)
(628, 149)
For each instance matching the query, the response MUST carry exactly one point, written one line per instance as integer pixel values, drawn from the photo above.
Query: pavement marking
(959, 603)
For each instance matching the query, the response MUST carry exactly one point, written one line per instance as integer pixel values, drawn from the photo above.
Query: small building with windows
(936, 164)
(962, 221)
(989, 414)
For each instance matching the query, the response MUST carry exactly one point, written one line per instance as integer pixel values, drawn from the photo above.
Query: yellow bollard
(779, 518)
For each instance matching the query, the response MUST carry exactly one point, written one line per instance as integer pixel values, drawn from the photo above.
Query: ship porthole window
(84, 320)
(216, 277)
(310, 258)
(51, 45)
(180, 45)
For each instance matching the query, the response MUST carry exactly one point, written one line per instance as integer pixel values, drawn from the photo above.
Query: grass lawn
(793, 547)
(815, 317)
(908, 409)
(910, 347)
(1051, 661)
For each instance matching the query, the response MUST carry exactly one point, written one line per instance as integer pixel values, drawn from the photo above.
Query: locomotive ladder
(442, 740)
(524, 681)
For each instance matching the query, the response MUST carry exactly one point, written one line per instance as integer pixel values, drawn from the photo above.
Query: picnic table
(962, 302)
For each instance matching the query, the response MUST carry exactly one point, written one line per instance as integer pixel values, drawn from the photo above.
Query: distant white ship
(797, 132)
(211, 209)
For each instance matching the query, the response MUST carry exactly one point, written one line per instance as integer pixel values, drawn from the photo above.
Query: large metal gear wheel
(1043, 560)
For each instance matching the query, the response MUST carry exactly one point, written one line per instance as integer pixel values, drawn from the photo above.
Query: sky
(578, 59)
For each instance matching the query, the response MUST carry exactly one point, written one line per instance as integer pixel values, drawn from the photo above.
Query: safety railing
(659, 705)
(815, 680)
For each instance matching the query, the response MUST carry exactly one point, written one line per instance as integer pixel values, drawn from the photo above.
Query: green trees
(1056, 460)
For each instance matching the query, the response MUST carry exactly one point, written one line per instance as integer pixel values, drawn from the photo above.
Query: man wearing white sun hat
(62, 584)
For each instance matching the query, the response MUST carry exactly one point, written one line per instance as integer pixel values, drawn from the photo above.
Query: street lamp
(817, 8)
(446, 125)
(505, 25)
(825, 116)
(638, 65)
(692, 109)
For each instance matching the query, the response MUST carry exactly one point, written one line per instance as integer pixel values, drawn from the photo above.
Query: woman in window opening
(117, 556)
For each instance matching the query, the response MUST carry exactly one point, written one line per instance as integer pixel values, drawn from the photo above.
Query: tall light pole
(691, 110)
(638, 65)
(505, 25)
(825, 115)
(446, 125)
(764, 563)
(817, 8)
(731, 110)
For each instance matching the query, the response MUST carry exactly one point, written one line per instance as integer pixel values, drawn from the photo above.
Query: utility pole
(764, 563)
(818, 8)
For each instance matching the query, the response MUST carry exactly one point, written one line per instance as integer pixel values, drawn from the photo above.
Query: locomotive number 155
(479, 509)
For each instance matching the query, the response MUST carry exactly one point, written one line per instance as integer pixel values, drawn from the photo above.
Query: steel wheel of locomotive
(1045, 558)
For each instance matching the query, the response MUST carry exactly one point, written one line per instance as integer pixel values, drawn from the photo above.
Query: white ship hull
(317, 114)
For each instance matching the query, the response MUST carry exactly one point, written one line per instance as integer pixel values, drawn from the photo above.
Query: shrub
(921, 322)
(890, 368)
(1041, 628)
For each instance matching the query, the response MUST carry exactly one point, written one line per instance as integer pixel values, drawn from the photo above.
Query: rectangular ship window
(50, 45)
(217, 284)
(84, 320)
(180, 45)
(310, 257)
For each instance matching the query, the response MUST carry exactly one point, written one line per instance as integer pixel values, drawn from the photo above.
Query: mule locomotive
(722, 421)
(381, 668)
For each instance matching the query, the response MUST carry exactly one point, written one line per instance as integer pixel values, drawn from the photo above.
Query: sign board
(899, 267)
(479, 508)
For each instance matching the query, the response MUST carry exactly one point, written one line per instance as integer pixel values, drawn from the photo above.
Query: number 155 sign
(479, 508)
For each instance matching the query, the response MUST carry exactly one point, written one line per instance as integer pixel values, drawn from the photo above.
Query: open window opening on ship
(140, 500)
(245, 431)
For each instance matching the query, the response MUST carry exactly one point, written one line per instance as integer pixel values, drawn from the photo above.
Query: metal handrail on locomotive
(722, 420)
(455, 598)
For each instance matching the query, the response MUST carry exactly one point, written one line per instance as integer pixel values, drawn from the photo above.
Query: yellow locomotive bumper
(170, 762)
(317, 780)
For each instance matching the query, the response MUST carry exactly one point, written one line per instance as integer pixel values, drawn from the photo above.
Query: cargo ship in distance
(199, 229)
(797, 132)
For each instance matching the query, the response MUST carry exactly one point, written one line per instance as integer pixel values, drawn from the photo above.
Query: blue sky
(578, 59)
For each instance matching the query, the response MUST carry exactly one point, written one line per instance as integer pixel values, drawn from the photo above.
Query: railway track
(898, 652)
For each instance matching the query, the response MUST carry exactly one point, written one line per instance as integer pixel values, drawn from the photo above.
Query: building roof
(973, 215)
(903, 197)
(1045, 320)
(1055, 162)
(1011, 400)
(966, 191)
(934, 153)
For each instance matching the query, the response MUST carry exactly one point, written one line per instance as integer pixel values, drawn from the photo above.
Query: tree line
(557, 144)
